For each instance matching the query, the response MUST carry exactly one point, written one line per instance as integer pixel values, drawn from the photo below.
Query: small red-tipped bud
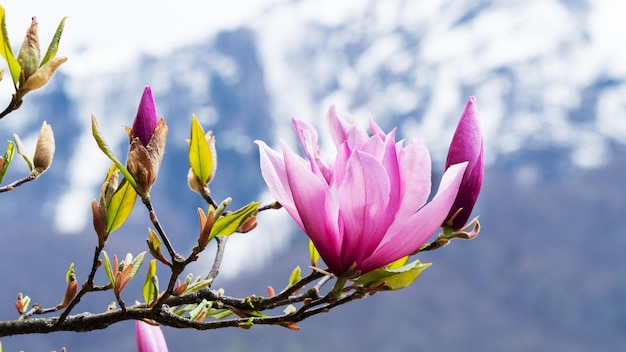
(248, 225)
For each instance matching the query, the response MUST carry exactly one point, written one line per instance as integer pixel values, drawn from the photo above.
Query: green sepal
(229, 223)
(70, 275)
(150, 289)
(200, 154)
(121, 205)
(313, 253)
(54, 44)
(102, 144)
(7, 53)
(19, 148)
(393, 279)
(107, 268)
(8, 156)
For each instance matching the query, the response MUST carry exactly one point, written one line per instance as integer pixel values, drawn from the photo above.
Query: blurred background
(546, 273)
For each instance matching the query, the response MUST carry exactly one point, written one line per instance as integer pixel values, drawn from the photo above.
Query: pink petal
(415, 173)
(149, 338)
(309, 140)
(275, 176)
(338, 126)
(419, 227)
(363, 198)
(316, 208)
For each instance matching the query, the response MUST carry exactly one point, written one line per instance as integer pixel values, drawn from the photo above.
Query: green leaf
(8, 156)
(393, 279)
(120, 206)
(314, 254)
(7, 53)
(150, 289)
(70, 276)
(19, 147)
(195, 313)
(137, 261)
(107, 268)
(197, 285)
(296, 275)
(102, 144)
(219, 313)
(398, 263)
(54, 44)
(200, 154)
(229, 223)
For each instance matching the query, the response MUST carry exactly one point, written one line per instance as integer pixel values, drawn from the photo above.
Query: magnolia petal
(309, 140)
(338, 126)
(363, 197)
(415, 173)
(315, 206)
(149, 338)
(275, 176)
(419, 227)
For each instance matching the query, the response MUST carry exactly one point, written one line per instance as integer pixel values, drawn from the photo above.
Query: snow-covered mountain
(550, 82)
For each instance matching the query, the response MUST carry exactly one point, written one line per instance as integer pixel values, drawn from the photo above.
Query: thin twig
(217, 262)
(17, 183)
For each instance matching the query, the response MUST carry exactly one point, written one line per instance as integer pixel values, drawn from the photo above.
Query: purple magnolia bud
(467, 145)
(149, 338)
(146, 120)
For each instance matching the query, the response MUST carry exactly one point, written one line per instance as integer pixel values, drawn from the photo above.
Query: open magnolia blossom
(367, 207)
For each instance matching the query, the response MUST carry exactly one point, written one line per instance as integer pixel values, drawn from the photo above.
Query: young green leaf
(19, 148)
(107, 268)
(296, 275)
(228, 224)
(120, 207)
(8, 156)
(137, 261)
(150, 289)
(393, 279)
(70, 276)
(313, 253)
(102, 144)
(201, 156)
(54, 44)
(6, 52)
(203, 306)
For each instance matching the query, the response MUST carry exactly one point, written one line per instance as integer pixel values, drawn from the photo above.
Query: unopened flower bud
(147, 144)
(466, 146)
(28, 56)
(44, 151)
(147, 118)
(248, 225)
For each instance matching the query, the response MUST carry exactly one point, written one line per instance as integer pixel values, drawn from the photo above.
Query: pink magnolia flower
(149, 338)
(147, 119)
(467, 145)
(366, 207)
